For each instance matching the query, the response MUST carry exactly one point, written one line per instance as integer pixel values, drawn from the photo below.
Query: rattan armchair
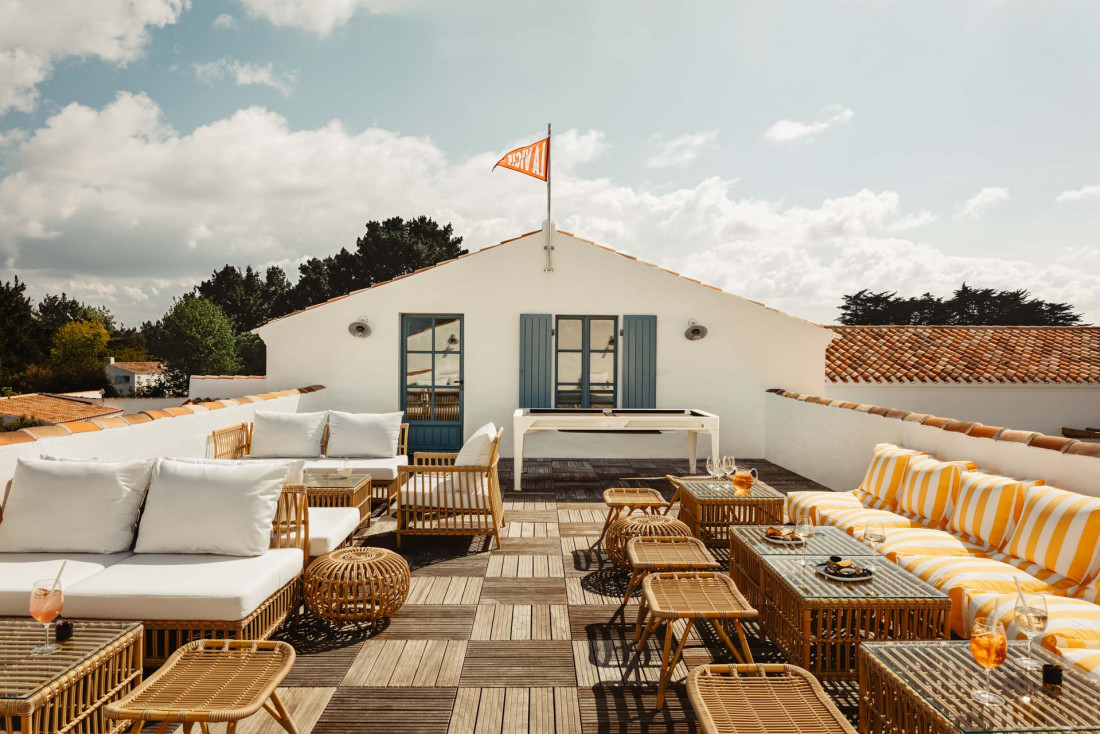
(435, 497)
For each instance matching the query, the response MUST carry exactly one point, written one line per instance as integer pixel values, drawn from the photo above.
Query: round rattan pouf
(637, 526)
(361, 585)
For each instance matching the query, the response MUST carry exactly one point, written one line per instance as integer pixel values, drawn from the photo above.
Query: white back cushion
(73, 506)
(210, 508)
(367, 435)
(294, 467)
(283, 435)
(478, 447)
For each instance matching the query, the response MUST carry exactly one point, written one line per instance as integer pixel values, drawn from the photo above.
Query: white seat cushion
(382, 470)
(329, 527)
(370, 435)
(180, 586)
(287, 435)
(19, 570)
(440, 493)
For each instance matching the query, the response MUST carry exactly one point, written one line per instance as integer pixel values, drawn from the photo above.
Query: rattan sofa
(435, 497)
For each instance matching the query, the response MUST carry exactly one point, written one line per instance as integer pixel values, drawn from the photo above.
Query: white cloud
(681, 150)
(114, 205)
(786, 131)
(1085, 193)
(247, 74)
(981, 202)
(318, 16)
(34, 34)
(225, 21)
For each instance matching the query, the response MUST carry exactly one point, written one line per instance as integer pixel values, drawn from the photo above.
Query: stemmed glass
(46, 600)
(729, 466)
(989, 646)
(874, 533)
(805, 530)
(714, 466)
(1031, 620)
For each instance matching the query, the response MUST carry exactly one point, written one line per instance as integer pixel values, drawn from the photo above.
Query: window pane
(446, 405)
(569, 333)
(418, 369)
(448, 335)
(418, 404)
(569, 396)
(601, 334)
(601, 397)
(601, 368)
(446, 368)
(418, 333)
(569, 367)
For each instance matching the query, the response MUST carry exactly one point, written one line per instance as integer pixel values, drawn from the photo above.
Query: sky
(788, 151)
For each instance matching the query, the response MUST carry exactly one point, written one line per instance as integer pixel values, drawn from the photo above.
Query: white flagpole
(549, 247)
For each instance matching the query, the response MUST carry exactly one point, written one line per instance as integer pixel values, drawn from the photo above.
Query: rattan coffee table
(925, 687)
(330, 488)
(747, 545)
(669, 596)
(674, 553)
(710, 507)
(819, 624)
(66, 691)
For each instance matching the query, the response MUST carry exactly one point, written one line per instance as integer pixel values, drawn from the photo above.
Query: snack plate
(820, 568)
(781, 541)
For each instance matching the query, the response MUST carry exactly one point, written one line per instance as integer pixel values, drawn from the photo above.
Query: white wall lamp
(695, 331)
(360, 329)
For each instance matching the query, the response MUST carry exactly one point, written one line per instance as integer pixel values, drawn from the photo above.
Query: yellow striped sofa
(973, 535)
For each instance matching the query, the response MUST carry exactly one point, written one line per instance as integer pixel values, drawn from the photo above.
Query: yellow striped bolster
(884, 474)
(988, 506)
(927, 542)
(808, 504)
(1071, 623)
(1086, 661)
(928, 490)
(869, 500)
(1059, 530)
(853, 521)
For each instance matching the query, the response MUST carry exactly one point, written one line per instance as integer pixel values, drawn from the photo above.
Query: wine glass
(1031, 620)
(989, 646)
(46, 599)
(874, 533)
(714, 466)
(805, 530)
(729, 466)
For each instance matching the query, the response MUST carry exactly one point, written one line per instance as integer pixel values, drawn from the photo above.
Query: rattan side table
(784, 699)
(357, 585)
(710, 507)
(211, 681)
(328, 488)
(641, 499)
(66, 691)
(637, 526)
(674, 553)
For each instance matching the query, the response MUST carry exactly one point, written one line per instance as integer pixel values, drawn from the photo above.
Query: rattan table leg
(612, 513)
(641, 635)
(667, 663)
(744, 655)
(279, 713)
(635, 579)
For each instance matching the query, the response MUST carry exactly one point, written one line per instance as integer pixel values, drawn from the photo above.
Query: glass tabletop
(889, 581)
(944, 673)
(828, 541)
(22, 675)
(709, 489)
(333, 479)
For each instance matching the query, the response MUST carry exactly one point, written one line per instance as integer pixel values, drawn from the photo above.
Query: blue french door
(432, 347)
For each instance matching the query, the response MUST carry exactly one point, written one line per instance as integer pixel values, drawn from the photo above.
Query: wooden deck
(528, 638)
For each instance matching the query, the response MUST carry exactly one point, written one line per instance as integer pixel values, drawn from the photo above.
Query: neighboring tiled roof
(53, 408)
(141, 368)
(527, 234)
(965, 354)
(228, 377)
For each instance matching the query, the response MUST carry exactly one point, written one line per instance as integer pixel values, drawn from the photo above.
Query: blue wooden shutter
(535, 360)
(639, 362)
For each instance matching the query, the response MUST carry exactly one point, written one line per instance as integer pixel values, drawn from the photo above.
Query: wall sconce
(360, 329)
(695, 331)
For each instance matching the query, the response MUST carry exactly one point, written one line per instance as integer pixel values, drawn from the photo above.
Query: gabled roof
(141, 368)
(965, 354)
(520, 237)
(53, 408)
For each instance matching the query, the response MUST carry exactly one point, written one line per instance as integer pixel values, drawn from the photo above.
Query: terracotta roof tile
(1082, 448)
(1054, 443)
(141, 368)
(53, 408)
(965, 354)
(10, 437)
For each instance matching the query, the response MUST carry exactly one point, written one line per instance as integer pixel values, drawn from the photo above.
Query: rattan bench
(673, 553)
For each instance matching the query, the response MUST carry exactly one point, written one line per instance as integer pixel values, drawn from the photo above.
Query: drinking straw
(57, 580)
(1019, 591)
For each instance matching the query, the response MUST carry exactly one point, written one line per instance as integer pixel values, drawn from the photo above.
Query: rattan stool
(356, 585)
(647, 501)
(728, 699)
(211, 681)
(637, 526)
(667, 597)
(674, 553)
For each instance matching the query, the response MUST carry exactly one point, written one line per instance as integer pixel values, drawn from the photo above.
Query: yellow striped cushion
(808, 504)
(928, 490)
(1059, 530)
(1089, 593)
(927, 542)
(884, 475)
(1087, 661)
(988, 506)
(869, 500)
(1072, 622)
(960, 577)
(853, 521)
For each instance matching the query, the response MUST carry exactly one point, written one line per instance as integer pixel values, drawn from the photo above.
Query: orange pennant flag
(530, 159)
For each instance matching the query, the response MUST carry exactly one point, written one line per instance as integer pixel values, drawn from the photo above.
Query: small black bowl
(64, 630)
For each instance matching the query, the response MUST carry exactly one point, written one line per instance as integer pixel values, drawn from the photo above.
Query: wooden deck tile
(598, 587)
(528, 546)
(586, 621)
(444, 590)
(516, 529)
(633, 710)
(522, 622)
(525, 515)
(492, 664)
(425, 622)
(525, 566)
(540, 710)
(472, 565)
(586, 529)
(523, 591)
(404, 663)
(387, 710)
(592, 513)
(305, 706)
(612, 660)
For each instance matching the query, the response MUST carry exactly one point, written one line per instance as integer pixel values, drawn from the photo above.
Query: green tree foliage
(20, 332)
(245, 297)
(22, 421)
(966, 307)
(78, 355)
(252, 353)
(195, 337)
(56, 311)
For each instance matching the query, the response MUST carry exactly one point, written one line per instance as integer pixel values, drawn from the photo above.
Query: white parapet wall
(216, 387)
(830, 442)
(180, 431)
